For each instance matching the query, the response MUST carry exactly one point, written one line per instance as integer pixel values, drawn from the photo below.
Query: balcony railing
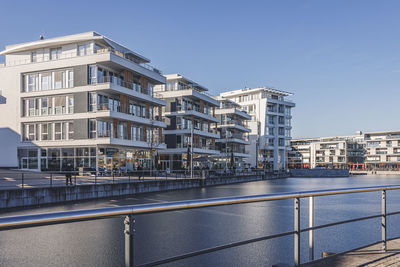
(53, 218)
(121, 82)
(75, 54)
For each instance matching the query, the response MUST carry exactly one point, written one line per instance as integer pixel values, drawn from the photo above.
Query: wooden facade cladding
(115, 126)
(143, 85)
(128, 78)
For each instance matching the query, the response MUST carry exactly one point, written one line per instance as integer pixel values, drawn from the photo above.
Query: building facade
(83, 101)
(191, 124)
(343, 152)
(234, 135)
(270, 125)
(382, 150)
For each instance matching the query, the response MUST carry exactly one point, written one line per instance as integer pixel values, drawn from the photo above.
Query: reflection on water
(101, 243)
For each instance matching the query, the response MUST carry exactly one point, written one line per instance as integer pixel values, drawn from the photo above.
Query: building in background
(234, 135)
(270, 125)
(339, 152)
(190, 117)
(81, 100)
(382, 150)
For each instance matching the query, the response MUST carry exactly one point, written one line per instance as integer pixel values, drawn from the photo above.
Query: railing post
(384, 220)
(311, 224)
(129, 240)
(297, 231)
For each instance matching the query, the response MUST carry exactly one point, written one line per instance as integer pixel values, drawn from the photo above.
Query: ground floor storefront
(182, 161)
(103, 159)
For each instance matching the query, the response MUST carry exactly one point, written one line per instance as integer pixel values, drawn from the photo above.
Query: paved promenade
(371, 256)
(16, 179)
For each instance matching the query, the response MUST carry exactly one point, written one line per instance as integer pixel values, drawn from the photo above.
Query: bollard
(95, 178)
(113, 176)
(22, 182)
(129, 240)
(129, 178)
(51, 180)
(75, 179)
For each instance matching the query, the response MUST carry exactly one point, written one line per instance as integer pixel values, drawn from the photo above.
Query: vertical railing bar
(297, 231)
(384, 235)
(311, 224)
(129, 240)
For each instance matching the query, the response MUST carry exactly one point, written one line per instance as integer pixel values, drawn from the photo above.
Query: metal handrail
(17, 222)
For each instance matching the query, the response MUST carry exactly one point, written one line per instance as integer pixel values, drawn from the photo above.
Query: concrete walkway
(371, 256)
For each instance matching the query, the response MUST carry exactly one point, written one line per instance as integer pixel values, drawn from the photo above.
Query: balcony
(74, 54)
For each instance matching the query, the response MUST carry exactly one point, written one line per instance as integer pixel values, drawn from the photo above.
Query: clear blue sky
(340, 58)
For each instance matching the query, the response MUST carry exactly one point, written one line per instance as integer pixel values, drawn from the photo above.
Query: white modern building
(270, 125)
(82, 100)
(190, 117)
(337, 152)
(382, 150)
(234, 134)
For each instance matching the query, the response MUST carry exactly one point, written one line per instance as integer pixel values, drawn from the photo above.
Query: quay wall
(50, 195)
(319, 173)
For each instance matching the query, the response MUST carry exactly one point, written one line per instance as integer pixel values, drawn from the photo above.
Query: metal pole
(191, 152)
(22, 182)
(129, 240)
(51, 180)
(297, 231)
(311, 224)
(384, 247)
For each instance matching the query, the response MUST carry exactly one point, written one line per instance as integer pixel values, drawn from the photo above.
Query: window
(32, 82)
(58, 131)
(30, 132)
(92, 128)
(83, 49)
(46, 131)
(34, 57)
(60, 105)
(70, 104)
(70, 130)
(70, 75)
(55, 53)
(58, 79)
(45, 106)
(46, 81)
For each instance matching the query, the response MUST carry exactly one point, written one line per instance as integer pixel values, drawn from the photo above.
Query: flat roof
(67, 39)
(253, 90)
(177, 76)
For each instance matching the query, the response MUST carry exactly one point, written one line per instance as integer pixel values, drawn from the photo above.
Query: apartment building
(270, 125)
(81, 100)
(190, 117)
(339, 152)
(234, 134)
(382, 150)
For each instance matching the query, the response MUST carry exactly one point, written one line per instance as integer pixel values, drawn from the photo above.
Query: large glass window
(60, 105)
(92, 129)
(84, 49)
(34, 57)
(46, 81)
(58, 79)
(55, 53)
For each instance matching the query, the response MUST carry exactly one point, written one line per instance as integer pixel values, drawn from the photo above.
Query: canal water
(158, 236)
